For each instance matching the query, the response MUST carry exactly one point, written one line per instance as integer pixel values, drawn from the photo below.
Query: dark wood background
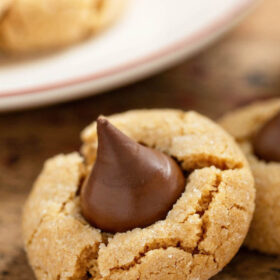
(239, 68)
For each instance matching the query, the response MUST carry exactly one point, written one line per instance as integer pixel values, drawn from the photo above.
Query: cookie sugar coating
(245, 124)
(200, 234)
(38, 25)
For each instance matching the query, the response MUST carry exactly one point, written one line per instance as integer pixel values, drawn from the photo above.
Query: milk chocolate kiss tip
(266, 142)
(130, 185)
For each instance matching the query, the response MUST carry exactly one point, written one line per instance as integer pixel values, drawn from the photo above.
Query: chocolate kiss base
(266, 143)
(130, 185)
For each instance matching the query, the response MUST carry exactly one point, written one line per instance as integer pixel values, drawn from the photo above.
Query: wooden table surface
(241, 67)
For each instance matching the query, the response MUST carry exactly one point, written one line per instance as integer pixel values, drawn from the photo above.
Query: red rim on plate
(214, 27)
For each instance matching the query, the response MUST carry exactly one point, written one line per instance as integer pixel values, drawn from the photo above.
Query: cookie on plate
(39, 25)
(257, 129)
(156, 194)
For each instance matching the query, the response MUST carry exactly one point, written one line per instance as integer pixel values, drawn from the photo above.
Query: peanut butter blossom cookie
(37, 25)
(257, 130)
(156, 194)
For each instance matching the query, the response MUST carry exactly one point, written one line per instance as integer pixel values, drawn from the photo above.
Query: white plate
(152, 35)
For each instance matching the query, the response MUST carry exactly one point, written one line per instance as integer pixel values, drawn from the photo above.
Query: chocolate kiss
(130, 185)
(266, 143)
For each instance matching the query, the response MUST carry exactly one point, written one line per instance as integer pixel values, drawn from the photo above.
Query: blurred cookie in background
(257, 130)
(40, 25)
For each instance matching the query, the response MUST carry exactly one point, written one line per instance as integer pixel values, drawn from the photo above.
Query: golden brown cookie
(200, 234)
(244, 124)
(37, 25)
